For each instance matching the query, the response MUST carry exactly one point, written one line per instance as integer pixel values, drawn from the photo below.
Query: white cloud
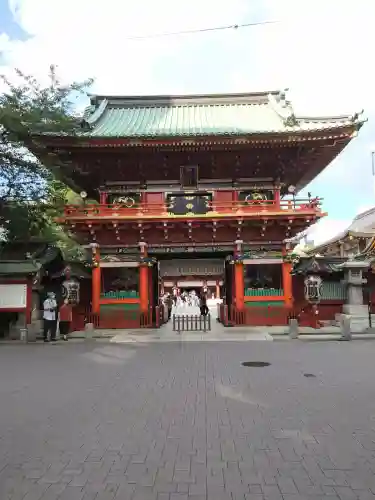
(321, 48)
(318, 48)
(90, 38)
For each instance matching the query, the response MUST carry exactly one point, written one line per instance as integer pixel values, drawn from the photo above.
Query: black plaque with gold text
(189, 204)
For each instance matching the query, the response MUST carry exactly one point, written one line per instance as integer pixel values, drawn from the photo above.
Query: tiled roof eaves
(255, 137)
(260, 138)
(101, 128)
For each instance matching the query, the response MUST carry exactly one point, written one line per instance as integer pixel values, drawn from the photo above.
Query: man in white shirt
(50, 317)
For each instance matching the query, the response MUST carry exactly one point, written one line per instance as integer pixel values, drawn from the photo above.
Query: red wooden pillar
(96, 279)
(143, 280)
(151, 297)
(239, 282)
(217, 289)
(287, 281)
(277, 196)
(103, 197)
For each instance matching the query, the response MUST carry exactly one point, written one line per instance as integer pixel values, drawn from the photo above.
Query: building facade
(192, 190)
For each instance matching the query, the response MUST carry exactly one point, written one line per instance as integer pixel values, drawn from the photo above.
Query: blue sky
(8, 25)
(320, 55)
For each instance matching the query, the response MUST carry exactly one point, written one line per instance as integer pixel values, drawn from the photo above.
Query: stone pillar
(293, 329)
(36, 326)
(239, 282)
(143, 279)
(96, 279)
(354, 303)
(18, 327)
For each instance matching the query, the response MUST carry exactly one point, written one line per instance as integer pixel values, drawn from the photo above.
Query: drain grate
(255, 364)
(309, 375)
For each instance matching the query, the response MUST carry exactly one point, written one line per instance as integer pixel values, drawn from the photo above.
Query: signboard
(211, 249)
(189, 204)
(13, 296)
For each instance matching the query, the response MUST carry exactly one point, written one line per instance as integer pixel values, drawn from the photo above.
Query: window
(119, 282)
(189, 176)
(264, 277)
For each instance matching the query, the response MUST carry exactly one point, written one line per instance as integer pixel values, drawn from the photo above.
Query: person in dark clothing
(203, 304)
(169, 304)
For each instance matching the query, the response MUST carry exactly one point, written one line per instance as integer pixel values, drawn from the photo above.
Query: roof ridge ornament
(283, 107)
(93, 113)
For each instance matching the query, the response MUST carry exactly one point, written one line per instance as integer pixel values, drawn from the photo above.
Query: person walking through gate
(169, 304)
(203, 304)
(49, 317)
(65, 317)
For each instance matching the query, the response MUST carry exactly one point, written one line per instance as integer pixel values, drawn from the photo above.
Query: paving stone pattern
(97, 421)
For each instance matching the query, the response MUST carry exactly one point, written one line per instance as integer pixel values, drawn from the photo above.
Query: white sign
(13, 296)
(190, 283)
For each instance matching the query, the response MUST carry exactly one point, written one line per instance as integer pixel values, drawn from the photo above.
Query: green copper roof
(203, 115)
(18, 267)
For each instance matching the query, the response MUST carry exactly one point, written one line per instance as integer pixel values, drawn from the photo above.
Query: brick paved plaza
(176, 421)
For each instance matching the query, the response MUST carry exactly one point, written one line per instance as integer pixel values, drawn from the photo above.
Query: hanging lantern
(70, 291)
(313, 289)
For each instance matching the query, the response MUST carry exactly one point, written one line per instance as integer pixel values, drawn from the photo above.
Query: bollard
(89, 330)
(23, 334)
(346, 334)
(209, 322)
(31, 333)
(293, 329)
(178, 324)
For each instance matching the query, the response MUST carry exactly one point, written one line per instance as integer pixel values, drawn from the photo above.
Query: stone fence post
(293, 329)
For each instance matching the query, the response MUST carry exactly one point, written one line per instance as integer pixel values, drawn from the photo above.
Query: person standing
(65, 318)
(169, 304)
(203, 304)
(49, 317)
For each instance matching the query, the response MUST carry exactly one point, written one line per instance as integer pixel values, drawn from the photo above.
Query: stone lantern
(354, 281)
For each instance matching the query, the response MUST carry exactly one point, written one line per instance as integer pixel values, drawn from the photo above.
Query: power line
(202, 30)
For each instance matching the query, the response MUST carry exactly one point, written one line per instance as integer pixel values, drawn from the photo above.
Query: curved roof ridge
(283, 108)
(263, 93)
(361, 215)
(97, 113)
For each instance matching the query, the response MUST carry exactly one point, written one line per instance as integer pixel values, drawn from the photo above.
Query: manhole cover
(256, 364)
(309, 375)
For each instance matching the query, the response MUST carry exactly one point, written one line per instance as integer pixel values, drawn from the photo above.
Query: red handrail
(222, 208)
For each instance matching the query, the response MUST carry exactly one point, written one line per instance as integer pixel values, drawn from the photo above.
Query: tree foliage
(31, 195)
